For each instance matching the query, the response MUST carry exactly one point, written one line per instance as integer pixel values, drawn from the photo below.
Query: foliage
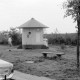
(14, 33)
(72, 8)
(67, 39)
(4, 37)
(16, 36)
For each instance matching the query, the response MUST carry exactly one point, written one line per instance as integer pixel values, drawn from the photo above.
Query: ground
(22, 76)
(59, 69)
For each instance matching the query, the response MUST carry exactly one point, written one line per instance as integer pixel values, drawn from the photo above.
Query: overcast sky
(13, 13)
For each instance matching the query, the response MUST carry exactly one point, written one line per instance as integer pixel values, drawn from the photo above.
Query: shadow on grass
(12, 79)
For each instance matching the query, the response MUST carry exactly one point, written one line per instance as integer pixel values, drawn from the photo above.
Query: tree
(73, 9)
(16, 36)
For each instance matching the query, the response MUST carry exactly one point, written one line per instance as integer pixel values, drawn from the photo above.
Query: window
(29, 32)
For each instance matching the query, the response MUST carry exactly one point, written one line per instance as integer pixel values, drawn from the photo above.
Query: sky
(14, 13)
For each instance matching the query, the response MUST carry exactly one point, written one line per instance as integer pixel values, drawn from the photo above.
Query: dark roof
(32, 23)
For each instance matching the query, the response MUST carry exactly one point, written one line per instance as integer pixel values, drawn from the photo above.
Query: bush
(4, 38)
(16, 36)
(67, 39)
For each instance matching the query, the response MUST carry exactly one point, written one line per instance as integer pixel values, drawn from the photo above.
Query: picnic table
(59, 55)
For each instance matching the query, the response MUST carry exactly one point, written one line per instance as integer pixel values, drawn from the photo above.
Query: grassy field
(59, 69)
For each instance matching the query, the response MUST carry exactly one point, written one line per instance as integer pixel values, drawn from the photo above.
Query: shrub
(16, 36)
(4, 38)
(14, 33)
(67, 39)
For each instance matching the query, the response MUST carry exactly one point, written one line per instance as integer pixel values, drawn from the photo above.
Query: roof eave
(32, 27)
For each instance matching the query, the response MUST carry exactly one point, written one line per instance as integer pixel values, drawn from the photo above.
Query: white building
(32, 34)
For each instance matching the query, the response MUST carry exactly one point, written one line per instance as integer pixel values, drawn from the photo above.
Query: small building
(32, 34)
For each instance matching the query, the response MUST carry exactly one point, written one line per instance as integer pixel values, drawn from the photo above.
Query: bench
(59, 55)
(45, 54)
(56, 54)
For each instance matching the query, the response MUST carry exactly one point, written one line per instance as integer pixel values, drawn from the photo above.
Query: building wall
(32, 37)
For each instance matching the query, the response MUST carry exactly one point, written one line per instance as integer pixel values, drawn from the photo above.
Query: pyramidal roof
(32, 23)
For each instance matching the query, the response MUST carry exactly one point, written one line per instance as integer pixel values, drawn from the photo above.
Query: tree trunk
(78, 35)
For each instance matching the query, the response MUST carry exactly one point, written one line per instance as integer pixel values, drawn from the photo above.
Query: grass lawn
(59, 69)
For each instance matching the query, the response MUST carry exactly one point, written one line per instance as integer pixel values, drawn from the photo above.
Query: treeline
(67, 39)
